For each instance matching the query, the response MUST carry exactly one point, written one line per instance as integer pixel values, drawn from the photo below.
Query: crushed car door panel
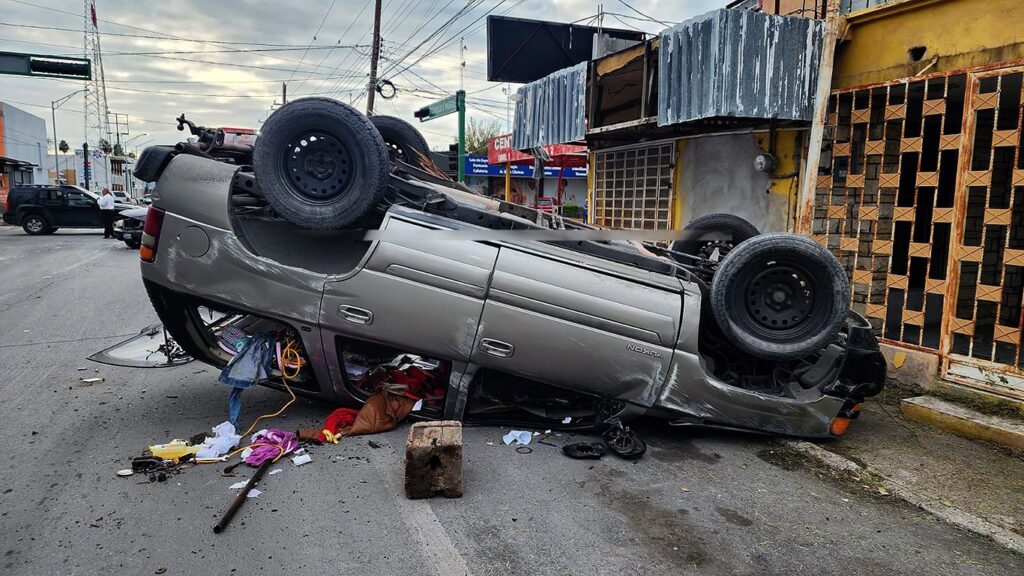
(577, 327)
(413, 293)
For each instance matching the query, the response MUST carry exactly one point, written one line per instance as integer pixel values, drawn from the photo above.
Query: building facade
(22, 148)
(920, 189)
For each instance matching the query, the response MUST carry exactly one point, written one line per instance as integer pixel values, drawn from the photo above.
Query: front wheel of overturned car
(321, 163)
(780, 296)
(404, 141)
(181, 317)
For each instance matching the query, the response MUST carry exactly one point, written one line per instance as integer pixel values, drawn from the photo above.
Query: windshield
(84, 191)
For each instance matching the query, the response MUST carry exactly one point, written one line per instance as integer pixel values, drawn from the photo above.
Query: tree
(118, 151)
(478, 132)
(105, 146)
(63, 147)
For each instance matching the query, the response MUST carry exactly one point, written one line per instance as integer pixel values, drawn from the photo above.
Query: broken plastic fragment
(91, 380)
(521, 436)
(253, 493)
(302, 459)
(125, 472)
(419, 404)
(274, 471)
(238, 485)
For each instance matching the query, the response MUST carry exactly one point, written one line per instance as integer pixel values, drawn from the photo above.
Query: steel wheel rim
(34, 224)
(319, 167)
(778, 300)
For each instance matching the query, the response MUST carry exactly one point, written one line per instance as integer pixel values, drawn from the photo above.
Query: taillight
(151, 233)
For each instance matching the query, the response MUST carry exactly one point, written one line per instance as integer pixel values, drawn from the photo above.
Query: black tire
(722, 231)
(35, 224)
(133, 244)
(52, 230)
(403, 140)
(320, 163)
(780, 296)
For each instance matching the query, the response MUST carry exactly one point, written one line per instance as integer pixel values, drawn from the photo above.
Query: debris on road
(241, 497)
(433, 459)
(302, 459)
(91, 381)
(174, 450)
(585, 450)
(125, 472)
(220, 443)
(521, 436)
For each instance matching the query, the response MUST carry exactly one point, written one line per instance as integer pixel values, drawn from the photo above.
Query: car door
(53, 202)
(80, 209)
(602, 331)
(411, 292)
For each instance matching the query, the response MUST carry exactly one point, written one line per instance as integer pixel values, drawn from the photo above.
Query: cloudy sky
(222, 62)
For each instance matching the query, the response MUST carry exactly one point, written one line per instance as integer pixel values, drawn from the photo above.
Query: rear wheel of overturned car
(780, 296)
(404, 141)
(711, 232)
(321, 163)
(35, 224)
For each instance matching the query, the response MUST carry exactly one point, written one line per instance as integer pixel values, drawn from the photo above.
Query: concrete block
(963, 421)
(433, 459)
(911, 367)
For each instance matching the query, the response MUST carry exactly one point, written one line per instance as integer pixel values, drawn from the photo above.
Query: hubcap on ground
(780, 297)
(319, 166)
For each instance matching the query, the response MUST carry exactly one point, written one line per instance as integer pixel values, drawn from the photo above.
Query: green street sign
(21, 64)
(440, 108)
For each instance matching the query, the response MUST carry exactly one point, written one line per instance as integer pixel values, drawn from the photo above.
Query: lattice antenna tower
(97, 126)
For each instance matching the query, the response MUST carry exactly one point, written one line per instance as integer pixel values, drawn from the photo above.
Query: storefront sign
(478, 166)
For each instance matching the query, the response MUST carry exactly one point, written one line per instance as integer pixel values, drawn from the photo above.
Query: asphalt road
(699, 503)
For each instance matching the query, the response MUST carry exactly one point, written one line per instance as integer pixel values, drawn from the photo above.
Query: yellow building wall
(961, 33)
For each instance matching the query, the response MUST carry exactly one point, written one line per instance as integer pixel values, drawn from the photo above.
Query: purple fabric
(261, 454)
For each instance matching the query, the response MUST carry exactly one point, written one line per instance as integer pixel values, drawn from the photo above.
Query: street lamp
(54, 104)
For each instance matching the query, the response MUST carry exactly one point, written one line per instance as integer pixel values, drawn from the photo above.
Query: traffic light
(453, 159)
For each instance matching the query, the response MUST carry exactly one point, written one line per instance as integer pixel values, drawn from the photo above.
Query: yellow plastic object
(173, 450)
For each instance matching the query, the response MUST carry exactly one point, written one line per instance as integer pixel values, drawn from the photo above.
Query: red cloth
(340, 418)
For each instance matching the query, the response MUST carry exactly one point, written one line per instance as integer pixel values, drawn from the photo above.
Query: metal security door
(985, 323)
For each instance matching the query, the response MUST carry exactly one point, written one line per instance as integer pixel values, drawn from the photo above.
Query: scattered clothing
(252, 365)
(270, 444)
(222, 441)
(340, 418)
(386, 407)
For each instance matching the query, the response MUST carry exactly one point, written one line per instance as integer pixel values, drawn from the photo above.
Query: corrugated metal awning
(551, 110)
(741, 64)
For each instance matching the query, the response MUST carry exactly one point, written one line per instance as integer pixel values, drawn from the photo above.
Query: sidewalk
(941, 472)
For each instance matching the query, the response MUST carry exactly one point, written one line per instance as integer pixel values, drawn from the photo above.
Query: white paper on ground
(302, 459)
(521, 436)
(253, 493)
(220, 443)
(274, 471)
(238, 485)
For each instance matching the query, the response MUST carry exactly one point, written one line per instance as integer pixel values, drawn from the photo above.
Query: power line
(318, 28)
(623, 2)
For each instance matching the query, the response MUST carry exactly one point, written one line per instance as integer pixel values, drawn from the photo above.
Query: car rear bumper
(128, 235)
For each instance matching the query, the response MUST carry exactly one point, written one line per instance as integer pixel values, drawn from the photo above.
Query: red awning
(500, 151)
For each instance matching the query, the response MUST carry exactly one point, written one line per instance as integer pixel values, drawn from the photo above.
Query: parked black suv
(42, 209)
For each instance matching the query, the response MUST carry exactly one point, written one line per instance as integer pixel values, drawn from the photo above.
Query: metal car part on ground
(578, 323)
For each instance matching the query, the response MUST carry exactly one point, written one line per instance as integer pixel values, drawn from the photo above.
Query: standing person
(106, 203)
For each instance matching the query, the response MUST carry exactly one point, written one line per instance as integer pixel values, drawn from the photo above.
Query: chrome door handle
(497, 348)
(355, 315)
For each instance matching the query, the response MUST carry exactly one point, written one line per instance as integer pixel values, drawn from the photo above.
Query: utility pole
(462, 67)
(374, 56)
(460, 102)
(284, 93)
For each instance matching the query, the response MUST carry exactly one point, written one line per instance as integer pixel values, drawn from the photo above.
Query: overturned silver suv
(337, 228)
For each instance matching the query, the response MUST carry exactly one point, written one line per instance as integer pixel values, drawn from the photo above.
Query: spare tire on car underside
(710, 232)
(780, 296)
(403, 140)
(321, 163)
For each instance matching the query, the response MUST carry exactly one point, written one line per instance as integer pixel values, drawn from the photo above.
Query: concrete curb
(930, 504)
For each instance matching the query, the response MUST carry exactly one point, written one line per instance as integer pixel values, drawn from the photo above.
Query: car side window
(79, 199)
(54, 195)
